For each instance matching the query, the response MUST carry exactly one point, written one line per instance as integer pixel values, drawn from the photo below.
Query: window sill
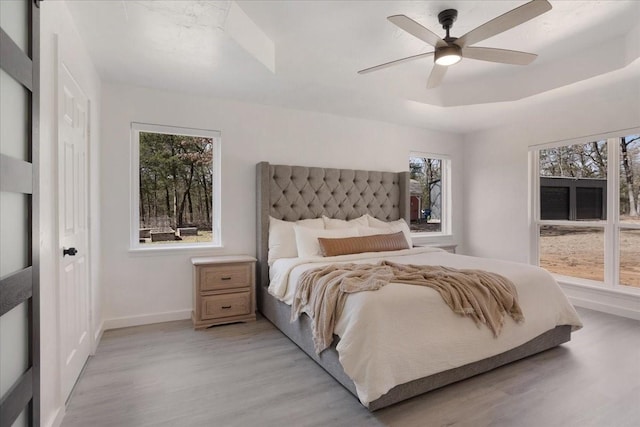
(430, 234)
(431, 238)
(592, 285)
(449, 247)
(168, 250)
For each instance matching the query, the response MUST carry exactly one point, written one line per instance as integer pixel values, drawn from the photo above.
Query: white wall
(145, 288)
(56, 20)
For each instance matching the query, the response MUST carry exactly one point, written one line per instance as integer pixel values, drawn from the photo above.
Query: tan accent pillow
(356, 245)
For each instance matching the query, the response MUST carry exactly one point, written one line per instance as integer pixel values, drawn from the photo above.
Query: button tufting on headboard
(308, 192)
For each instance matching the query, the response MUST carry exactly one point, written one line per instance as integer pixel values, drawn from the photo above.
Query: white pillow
(375, 222)
(282, 238)
(307, 239)
(393, 227)
(332, 224)
(372, 231)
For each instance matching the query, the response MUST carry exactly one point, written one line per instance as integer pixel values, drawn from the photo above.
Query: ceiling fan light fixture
(448, 55)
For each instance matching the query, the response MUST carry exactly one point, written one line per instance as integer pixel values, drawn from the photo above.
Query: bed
(393, 368)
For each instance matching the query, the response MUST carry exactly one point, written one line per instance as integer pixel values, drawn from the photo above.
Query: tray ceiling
(305, 54)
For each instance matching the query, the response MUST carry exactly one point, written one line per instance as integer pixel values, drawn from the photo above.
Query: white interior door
(73, 235)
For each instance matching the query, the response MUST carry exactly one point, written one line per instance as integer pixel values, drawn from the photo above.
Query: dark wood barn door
(19, 211)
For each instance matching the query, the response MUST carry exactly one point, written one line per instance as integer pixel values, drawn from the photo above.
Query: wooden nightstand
(223, 290)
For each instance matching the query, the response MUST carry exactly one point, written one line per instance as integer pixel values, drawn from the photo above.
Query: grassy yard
(425, 226)
(579, 252)
(202, 237)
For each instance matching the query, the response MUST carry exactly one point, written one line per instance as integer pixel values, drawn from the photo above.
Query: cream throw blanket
(481, 295)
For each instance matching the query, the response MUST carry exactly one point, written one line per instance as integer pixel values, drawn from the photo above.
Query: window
(429, 188)
(176, 187)
(629, 208)
(586, 210)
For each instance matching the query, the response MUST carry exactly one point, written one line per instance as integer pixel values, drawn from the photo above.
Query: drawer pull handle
(224, 307)
(226, 278)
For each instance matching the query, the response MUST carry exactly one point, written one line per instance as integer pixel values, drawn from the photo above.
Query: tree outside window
(630, 178)
(176, 186)
(426, 187)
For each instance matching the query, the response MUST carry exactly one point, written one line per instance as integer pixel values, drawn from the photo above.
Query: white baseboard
(97, 336)
(145, 319)
(56, 420)
(604, 300)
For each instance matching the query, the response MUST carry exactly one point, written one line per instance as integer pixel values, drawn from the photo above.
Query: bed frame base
(299, 332)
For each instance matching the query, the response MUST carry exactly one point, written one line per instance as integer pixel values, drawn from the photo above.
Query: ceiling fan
(450, 50)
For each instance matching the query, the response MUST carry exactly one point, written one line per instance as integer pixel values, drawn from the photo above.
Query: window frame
(134, 179)
(446, 199)
(611, 226)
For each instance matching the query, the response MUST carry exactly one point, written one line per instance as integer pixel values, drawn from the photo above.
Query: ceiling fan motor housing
(447, 18)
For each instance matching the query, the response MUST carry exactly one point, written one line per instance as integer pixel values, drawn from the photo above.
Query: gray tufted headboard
(292, 193)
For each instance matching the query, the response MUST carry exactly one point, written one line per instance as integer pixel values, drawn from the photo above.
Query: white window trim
(446, 220)
(611, 226)
(134, 244)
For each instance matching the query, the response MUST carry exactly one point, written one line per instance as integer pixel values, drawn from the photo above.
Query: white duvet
(404, 332)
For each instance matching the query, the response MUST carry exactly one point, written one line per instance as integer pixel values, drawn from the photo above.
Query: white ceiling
(224, 49)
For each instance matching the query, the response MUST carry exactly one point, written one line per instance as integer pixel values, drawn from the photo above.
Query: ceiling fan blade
(397, 61)
(417, 30)
(436, 76)
(503, 56)
(505, 22)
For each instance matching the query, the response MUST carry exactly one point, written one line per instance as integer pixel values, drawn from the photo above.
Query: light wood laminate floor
(251, 375)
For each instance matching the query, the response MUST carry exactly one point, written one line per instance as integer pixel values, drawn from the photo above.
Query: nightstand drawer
(226, 305)
(225, 277)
